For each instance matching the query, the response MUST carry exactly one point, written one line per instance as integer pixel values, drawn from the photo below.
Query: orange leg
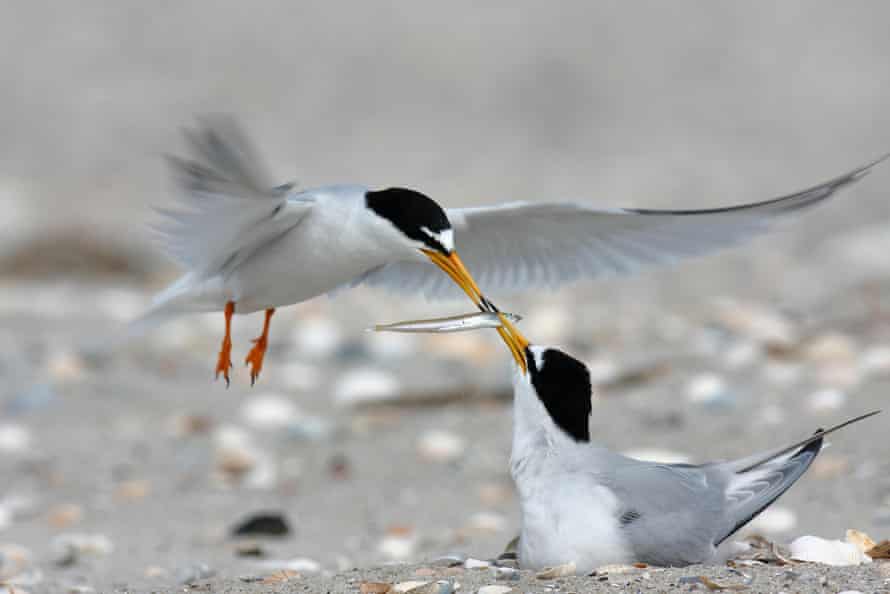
(255, 356)
(224, 362)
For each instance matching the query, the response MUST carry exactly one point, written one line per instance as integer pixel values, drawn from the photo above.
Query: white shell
(829, 552)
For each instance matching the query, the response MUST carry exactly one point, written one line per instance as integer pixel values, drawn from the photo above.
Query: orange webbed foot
(257, 353)
(224, 361)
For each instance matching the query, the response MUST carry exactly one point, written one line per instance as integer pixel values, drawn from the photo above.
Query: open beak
(454, 267)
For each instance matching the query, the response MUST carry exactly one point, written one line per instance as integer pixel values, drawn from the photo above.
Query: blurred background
(134, 466)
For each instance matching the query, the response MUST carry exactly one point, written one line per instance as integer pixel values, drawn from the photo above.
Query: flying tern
(248, 245)
(585, 505)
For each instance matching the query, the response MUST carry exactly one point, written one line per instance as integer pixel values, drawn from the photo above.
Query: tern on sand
(247, 245)
(586, 505)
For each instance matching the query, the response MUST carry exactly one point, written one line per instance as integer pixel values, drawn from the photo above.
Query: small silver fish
(462, 323)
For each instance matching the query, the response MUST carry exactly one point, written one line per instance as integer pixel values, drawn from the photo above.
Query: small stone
(826, 400)
(366, 386)
(264, 524)
(317, 338)
(438, 445)
(494, 589)
(194, 572)
(14, 438)
(774, 520)
(269, 412)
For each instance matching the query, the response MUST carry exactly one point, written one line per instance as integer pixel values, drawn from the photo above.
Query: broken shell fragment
(557, 571)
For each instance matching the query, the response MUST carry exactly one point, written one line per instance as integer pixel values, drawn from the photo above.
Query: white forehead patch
(446, 237)
(538, 354)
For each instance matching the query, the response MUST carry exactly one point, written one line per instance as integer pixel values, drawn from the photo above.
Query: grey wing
(520, 245)
(757, 481)
(670, 513)
(227, 208)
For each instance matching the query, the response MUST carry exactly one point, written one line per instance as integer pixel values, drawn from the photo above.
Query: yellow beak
(514, 340)
(454, 267)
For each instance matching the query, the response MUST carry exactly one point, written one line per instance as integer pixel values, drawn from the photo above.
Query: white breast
(327, 249)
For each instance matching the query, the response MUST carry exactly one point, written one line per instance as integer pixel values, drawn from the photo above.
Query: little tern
(581, 503)
(247, 245)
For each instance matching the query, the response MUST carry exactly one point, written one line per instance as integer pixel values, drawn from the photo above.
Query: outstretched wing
(228, 208)
(528, 245)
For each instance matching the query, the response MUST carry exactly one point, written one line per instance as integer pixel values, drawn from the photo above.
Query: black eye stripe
(412, 213)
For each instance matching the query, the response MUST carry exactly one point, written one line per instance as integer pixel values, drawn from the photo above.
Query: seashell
(549, 573)
(494, 589)
(476, 564)
(862, 540)
(829, 552)
(297, 564)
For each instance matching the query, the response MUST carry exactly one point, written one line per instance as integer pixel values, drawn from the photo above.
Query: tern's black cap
(411, 212)
(563, 386)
